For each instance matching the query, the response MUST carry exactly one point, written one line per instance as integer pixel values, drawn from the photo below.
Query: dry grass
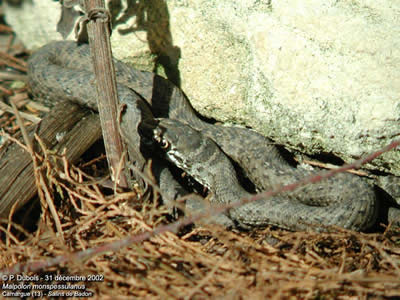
(205, 262)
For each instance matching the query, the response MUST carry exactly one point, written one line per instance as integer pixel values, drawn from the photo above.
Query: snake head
(179, 141)
(189, 149)
(174, 135)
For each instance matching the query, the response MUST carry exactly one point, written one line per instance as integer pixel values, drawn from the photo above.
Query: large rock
(318, 76)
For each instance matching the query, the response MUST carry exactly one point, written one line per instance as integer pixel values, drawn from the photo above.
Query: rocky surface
(316, 76)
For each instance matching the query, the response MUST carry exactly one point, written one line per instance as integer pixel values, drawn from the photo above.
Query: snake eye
(164, 144)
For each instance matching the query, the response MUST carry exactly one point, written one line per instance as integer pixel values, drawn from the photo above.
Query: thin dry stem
(100, 48)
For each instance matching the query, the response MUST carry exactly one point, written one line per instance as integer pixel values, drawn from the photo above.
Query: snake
(156, 112)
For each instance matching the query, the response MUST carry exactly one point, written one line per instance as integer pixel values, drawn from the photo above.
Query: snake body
(63, 71)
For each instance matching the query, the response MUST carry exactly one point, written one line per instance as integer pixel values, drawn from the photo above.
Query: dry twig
(100, 48)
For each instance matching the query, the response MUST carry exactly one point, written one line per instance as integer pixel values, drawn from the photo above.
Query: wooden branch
(107, 97)
(17, 181)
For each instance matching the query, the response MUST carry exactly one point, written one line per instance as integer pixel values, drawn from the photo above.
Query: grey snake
(155, 109)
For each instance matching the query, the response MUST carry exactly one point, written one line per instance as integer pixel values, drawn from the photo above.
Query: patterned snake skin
(63, 71)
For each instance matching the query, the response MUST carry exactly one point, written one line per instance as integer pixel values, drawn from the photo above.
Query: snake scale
(158, 111)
